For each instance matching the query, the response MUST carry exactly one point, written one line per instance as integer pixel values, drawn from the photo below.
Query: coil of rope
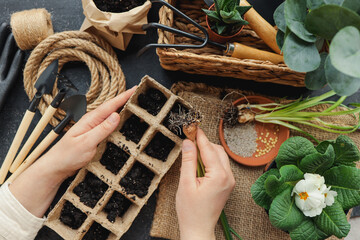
(107, 78)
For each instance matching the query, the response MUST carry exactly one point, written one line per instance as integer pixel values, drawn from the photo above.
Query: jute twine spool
(30, 27)
(107, 78)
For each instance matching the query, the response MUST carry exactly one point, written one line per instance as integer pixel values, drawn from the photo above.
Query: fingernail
(187, 146)
(113, 118)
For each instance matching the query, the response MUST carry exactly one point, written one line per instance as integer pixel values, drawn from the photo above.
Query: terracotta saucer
(264, 131)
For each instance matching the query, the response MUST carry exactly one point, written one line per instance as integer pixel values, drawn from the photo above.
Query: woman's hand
(199, 201)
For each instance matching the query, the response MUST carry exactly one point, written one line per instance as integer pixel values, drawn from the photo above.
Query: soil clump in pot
(134, 128)
(159, 147)
(71, 216)
(137, 180)
(114, 158)
(90, 190)
(117, 206)
(152, 101)
(97, 232)
(117, 6)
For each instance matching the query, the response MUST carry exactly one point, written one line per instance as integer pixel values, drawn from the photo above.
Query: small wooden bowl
(282, 134)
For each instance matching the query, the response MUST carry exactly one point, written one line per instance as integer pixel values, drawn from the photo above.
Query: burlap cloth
(247, 218)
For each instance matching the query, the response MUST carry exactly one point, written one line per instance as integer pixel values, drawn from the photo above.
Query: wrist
(50, 170)
(197, 235)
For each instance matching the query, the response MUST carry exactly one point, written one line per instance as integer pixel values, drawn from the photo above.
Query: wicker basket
(210, 60)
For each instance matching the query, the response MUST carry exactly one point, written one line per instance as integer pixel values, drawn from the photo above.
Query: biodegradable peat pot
(217, 37)
(264, 130)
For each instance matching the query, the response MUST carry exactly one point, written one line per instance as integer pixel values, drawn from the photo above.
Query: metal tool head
(74, 106)
(45, 82)
(64, 84)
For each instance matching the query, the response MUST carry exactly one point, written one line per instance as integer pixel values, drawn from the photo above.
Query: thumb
(189, 163)
(104, 129)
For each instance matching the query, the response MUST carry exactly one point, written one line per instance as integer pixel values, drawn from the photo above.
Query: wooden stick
(241, 51)
(49, 113)
(262, 28)
(50, 138)
(19, 136)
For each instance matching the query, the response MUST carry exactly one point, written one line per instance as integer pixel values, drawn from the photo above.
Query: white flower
(315, 178)
(309, 199)
(329, 196)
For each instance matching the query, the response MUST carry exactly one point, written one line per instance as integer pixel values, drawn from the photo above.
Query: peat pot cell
(96, 232)
(137, 180)
(171, 121)
(114, 158)
(152, 101)
(117, 206)
(90, 190)
(71, 216)
(117, 6)
(159, 147)
(134, 128)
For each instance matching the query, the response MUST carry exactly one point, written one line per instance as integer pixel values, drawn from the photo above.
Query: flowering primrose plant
(311, 188)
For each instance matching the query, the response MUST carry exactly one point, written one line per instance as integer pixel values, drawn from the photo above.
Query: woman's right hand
(199, 201)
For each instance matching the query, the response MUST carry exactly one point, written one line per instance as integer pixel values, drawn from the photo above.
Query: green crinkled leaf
(327, 20)
(283, 212)
(289, 176)
(318, 162)
(346, 151)
(353, 5)
(295, 15)
(258, 192)
(333, 221)
(316, 79)
(345, 51)
(345, 181)
(293, 150)
(342, 84)
(323, 146)
(307, 230)
(280, 37)
(299, 55)
(279, 17)
(312, 4)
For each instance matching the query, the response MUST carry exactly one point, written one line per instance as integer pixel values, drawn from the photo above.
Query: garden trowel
(65, 87)
(44, 85)
(75, 108)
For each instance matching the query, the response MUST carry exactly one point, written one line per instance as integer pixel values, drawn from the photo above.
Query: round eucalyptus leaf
(342, 84)
(295, 15)
(299, 55)
(280, 37)
(335, 2)
(319, 43)
(327, 20)
(279, 17)
(353, 5)
(345, 51)
(312, 4)
(316, 79)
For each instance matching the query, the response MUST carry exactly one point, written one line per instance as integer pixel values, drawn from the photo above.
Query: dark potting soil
(134, 128)
(96, 232)
(71, 216)
(159, 147)
(152, 101)
(117, 206)
(177, 109)
(114, 158)
(90, 190)
(117, 6)
(137, 180)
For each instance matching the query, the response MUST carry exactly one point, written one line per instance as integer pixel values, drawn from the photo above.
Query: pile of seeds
(269, 142)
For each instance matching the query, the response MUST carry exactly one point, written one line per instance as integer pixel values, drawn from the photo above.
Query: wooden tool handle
(241, 51)
(262, 28)
(49, 113)
(34, 155)
(19, 136)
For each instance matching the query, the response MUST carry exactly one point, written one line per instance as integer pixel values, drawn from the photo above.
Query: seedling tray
(106, 196)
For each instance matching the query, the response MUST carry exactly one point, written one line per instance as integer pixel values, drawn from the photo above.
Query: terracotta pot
(213, 36)
(264, 128)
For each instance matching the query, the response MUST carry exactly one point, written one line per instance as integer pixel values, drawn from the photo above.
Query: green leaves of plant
(345, 181)
(293, 150)
(258, 192)
(327, 20)
(345, 51)
(283, 212)
(333, 221)
(318, 162)
(279, 17)
(316, 79)
(307, 230)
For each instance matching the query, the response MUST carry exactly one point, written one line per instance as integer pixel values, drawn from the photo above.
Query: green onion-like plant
(227, 17)
(295, 112)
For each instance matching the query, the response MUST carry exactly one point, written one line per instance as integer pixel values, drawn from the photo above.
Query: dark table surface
(67, 15)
